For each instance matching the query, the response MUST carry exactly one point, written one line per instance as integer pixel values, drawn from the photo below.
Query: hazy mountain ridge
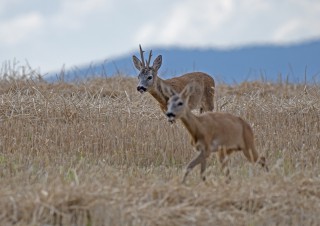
(294, 62)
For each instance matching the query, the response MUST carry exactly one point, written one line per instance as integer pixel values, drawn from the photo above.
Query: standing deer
(150, 82)
(221, 133)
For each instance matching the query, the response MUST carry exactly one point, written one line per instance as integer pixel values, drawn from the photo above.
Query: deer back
(203, 89)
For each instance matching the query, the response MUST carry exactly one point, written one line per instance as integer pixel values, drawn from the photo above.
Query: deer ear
(137, 63)
(167, 90)
(157, 63)
(188, 90)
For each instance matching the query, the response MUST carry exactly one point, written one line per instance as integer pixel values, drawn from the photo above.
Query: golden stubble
(97, 152)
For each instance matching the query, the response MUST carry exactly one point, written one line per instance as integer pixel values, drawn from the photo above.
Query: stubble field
(99, 153)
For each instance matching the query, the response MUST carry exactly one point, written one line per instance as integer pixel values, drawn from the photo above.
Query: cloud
(302, 23)
(4, 4)
(20, 28)
(79, 31)
(74, 14)
(232, 22)
(288, 29)
(186, 23)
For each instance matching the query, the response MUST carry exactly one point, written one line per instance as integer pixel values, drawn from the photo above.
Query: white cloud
(186, 23)
(20, 28)
(232, 22)
(301, 24)
(4, 4)
(288, 29)
(73, 14)
(80, 31)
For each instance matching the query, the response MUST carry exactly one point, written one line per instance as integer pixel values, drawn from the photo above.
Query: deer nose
(141, 89)
(170, 115)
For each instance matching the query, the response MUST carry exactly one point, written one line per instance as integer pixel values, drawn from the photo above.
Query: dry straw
(98, 153)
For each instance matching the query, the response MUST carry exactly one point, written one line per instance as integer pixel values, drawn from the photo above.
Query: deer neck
(191, 122)
(158, 94)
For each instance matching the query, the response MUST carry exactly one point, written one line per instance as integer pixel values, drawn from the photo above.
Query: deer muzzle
(141, 89)
(171, 116)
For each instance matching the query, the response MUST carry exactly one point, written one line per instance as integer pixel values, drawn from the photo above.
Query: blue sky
(49, 34)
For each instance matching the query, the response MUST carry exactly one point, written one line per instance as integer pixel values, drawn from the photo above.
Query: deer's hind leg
(208, 100)
(250, 151)
(262, 162)
(203, 168)
(253, 156)
(206, 105)
(223, 158)
(222, 153)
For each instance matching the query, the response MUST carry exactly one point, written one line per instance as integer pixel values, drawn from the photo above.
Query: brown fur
(202, 98)
(221, 133)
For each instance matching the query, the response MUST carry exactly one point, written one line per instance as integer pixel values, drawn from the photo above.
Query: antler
(142, 58)
(150, 55)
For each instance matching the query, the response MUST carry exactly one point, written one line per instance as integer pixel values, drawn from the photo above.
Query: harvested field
(99, 153)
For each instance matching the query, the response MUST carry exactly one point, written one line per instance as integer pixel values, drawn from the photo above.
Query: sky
(50, 34)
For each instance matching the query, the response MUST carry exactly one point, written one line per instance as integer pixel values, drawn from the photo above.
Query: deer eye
(149, 77)
(180, 104)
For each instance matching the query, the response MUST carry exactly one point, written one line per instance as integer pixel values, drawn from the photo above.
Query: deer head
(178, 102)
(147, 75)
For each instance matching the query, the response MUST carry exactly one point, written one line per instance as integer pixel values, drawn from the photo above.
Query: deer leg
(224, 160)
(203, 168)
(208, 103)
(262, 162)
(199, 147)
(197, 160)
(252, 156)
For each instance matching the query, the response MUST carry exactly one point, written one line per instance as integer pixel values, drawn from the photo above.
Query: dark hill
(269, 62)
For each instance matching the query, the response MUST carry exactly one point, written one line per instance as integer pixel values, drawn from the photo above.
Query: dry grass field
(99, 153)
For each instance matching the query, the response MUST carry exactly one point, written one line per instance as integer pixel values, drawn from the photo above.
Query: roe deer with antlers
(149, 81)
(217, 132)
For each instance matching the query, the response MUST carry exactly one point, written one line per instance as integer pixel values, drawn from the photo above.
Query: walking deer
(217, 132)
(149, 81)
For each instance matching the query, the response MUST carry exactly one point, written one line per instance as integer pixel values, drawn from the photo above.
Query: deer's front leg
(200, 147)
(200, 159)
